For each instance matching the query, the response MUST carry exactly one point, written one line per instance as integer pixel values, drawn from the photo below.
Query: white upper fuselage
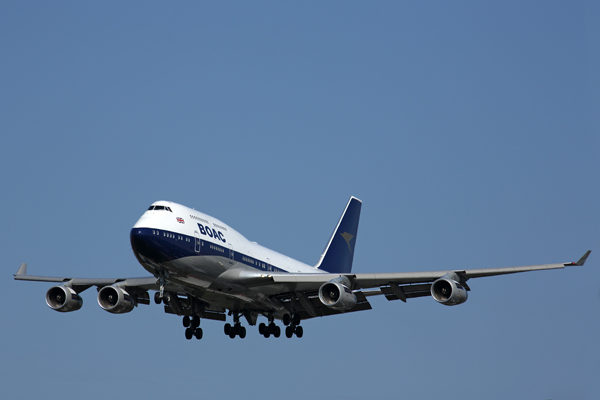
(197, 245)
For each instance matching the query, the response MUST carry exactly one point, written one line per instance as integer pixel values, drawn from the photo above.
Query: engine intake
(448, 291)
(336, 294)
(115, 300)
(63, 299)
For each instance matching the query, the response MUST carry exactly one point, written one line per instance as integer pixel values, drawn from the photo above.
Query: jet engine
(63, 299)
(115, 300)
(337, 295)
(448, 291)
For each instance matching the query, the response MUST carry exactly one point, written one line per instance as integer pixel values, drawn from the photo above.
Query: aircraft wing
(394, 285)
(81, 284)
(299, 292)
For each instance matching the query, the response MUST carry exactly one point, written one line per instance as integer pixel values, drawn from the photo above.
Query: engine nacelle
(63, 299)
(115, 300)
(337, 295)
(448, 291)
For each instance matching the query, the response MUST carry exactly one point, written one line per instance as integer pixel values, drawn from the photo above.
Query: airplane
(203, 269)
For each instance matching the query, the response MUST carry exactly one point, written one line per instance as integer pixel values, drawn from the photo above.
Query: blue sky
(470, 130)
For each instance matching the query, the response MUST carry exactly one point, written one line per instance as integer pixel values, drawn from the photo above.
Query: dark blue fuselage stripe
(169, 246)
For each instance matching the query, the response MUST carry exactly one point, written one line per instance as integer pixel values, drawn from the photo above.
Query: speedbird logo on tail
(348, 237)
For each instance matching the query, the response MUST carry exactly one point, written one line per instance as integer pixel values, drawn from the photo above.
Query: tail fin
(339, 252)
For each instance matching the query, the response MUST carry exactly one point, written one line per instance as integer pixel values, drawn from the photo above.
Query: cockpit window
(159, 208)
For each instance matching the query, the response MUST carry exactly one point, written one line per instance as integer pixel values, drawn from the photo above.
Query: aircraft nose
(147, 246)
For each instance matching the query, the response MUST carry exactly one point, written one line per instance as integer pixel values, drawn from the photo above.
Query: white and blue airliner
(203, 269)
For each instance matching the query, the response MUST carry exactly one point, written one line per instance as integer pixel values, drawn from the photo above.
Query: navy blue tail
(339, 253)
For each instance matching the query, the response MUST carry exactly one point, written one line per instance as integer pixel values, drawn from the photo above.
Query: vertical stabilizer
(339, 252)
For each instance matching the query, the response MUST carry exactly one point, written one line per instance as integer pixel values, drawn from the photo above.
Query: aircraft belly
(199, 276)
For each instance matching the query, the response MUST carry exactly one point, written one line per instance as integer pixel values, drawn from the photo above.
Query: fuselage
(197, 250)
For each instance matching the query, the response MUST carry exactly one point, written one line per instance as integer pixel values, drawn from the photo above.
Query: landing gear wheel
(228, 329)
(289, 332)
(242, 332)
(261, 328)
(299, 331)
(157, 298)
(277, 331)
(198, 333)
(232, 333)
(189, 333)
(186, 321)
(167, 298)
(287, 319)
(195, 321)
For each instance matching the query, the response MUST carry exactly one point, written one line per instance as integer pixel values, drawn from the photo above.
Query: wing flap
(315, 308)
(409, 291)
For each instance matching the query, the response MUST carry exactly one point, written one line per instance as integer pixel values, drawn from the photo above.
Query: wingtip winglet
(22, 270)
(581, 260)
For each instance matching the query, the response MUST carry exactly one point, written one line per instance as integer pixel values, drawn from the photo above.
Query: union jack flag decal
(180, 220)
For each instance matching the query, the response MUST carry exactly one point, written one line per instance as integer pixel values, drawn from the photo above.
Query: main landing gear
(292, 322)
(237, 329)
(268, 330)
(193, 327)
(292, 326)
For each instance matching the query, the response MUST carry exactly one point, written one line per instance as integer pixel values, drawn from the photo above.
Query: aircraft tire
(242, 332)
(198, 333)
(157, 298)
(299, 331)
(195, 321)
(189, 333)
(287, 319)
(227, 329)
(289, 332)
(232, 333)
(277, 331)
(186, 321)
